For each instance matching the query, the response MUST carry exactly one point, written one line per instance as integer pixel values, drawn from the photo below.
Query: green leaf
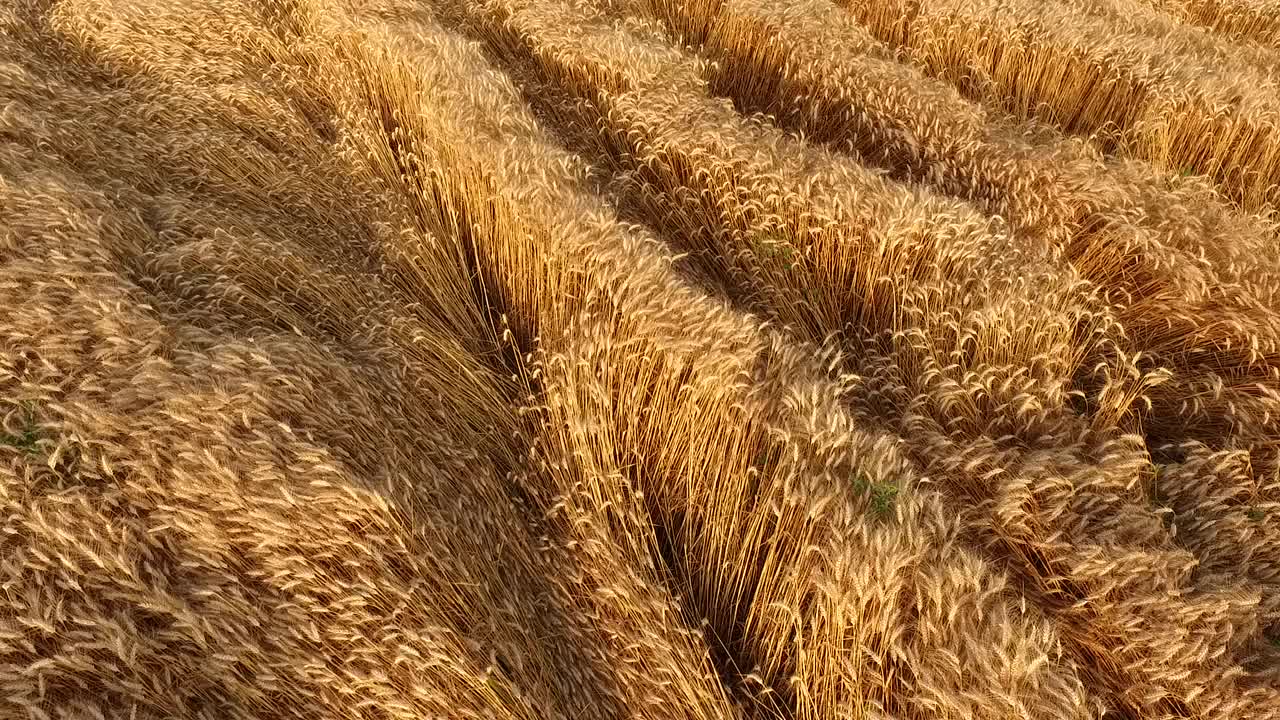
(28, 437)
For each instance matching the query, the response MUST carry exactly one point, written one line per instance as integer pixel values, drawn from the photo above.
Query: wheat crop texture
(639, 359)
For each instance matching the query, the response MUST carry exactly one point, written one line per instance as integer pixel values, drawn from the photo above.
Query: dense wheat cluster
(561, 359)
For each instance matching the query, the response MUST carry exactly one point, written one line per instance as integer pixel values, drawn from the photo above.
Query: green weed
(882, 494)
(775, 248)
(27, 437)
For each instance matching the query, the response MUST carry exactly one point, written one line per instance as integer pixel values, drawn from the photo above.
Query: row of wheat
(1158, 97)
(1256, 21)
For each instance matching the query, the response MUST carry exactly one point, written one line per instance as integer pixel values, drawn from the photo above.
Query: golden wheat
(632, 359)
(518, 30)
(1256, 21)
(1154, 97)
(1108, 219)
(729, 497)
(1138, 17)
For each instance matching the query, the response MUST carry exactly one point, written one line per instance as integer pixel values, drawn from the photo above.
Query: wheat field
(661, 359)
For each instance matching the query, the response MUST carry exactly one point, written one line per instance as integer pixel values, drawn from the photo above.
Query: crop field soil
(662, 359)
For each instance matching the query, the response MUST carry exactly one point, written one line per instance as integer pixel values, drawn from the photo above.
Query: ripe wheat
(1154, 97)
(630, 359)
(1256, 21)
